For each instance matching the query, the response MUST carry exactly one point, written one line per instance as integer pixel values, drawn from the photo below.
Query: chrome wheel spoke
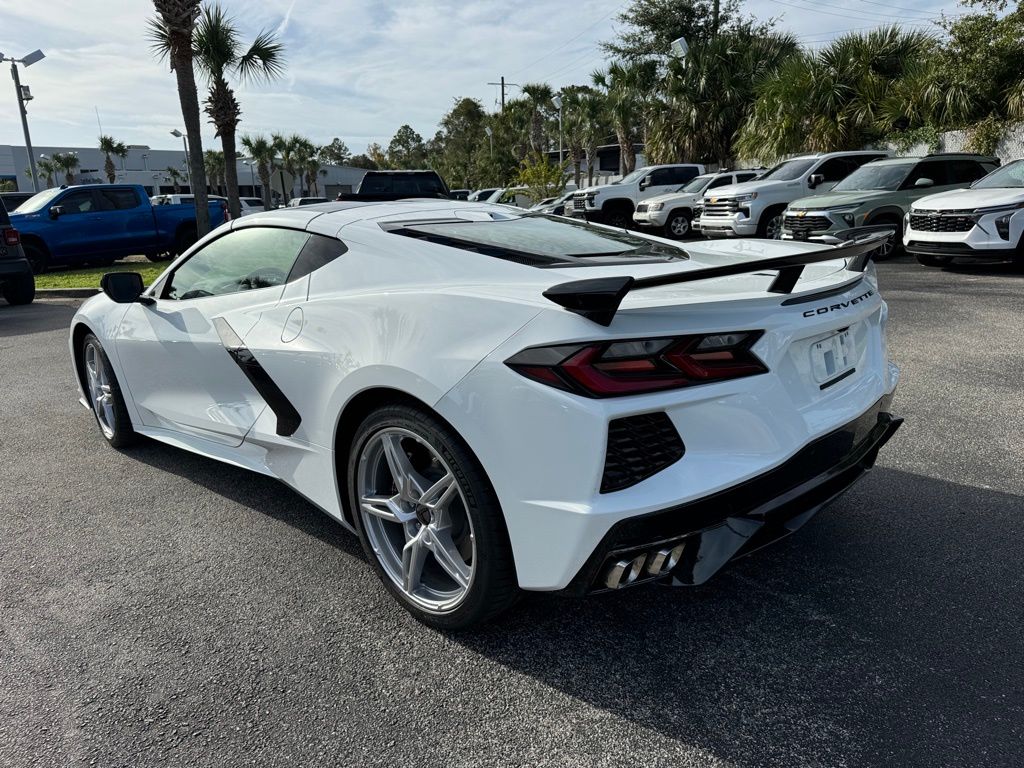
(386, 508)
(414, 557)
(442, 546)
(408, 481)
(440, 493)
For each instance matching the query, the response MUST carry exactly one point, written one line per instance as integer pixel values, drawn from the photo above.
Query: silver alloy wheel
(887, 247)
(773, 229)
(679, 226)
(99, 389)
(415, 516)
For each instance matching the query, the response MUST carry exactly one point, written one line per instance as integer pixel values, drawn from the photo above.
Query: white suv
(984, 221)
(615, 203)
(755, 207)
(672, 214)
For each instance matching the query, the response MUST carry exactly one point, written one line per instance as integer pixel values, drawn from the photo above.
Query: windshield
(788, 170)
(887, 177)
(696, 185)
(1009, 176)
(36, 203)
(636, 175)
(541, 240)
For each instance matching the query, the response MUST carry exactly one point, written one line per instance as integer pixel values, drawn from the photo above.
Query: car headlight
(655, 206)
(1003, 225)
(746, 198)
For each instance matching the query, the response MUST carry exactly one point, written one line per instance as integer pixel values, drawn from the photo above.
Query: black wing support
(598, 299)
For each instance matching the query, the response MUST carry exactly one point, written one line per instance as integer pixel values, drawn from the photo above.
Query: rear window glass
(402, 184)
(4, 218)
(541, 240)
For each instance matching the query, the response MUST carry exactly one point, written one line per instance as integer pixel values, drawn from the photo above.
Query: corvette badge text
(840, 305)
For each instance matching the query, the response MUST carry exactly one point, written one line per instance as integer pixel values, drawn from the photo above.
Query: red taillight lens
(11, 237)
(633, 367)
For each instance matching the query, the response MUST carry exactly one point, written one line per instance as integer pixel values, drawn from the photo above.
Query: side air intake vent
(638, 447)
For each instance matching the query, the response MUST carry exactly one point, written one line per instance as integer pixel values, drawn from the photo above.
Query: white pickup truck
(754, 208)
(615, 203)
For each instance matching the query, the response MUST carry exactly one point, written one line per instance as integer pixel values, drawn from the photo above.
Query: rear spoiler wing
(598, 299)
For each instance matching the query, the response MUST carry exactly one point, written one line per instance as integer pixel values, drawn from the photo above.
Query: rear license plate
(832, 356)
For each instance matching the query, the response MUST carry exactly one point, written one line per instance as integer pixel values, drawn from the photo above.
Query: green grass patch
(90, 278)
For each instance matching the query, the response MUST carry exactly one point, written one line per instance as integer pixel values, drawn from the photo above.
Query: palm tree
(840, 97)
(68, 163)
(261, 150)
(170, 33)
(174, 176)
(111, 146)
(626, 88)
(45, 168)
(213, 163)
(704, 101)
(289, 148)
(539, 96)
(220, 55)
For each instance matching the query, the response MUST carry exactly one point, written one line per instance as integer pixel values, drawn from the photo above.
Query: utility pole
(24, 95)
(505, 85)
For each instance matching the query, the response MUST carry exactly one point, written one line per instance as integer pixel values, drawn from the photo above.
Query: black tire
(929, 260)
(770, 224)
(118, 432)
(20, 289)
(678, 225)
(493, 587)
(185, 238)
(617, 216)
(896, 242)
(37, 257)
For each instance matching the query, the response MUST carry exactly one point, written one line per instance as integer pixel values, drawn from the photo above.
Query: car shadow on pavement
(887, 632)
(38, 317)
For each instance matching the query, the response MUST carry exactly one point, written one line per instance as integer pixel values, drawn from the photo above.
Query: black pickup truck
(378, 186)
(17, 284)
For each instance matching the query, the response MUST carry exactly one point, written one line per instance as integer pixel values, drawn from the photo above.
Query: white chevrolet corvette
(499, 401)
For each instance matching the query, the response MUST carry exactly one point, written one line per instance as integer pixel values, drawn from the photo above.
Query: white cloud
(356, 68)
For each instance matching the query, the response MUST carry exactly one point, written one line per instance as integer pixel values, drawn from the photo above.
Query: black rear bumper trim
(738, 520)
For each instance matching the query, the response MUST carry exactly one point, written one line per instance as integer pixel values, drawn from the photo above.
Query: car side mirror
(923, 182)
(123, 287)
(644, 182)
(815, 179)
(56, 211)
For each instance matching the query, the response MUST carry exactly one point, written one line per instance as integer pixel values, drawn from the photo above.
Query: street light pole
(557, 101)
(188, 167)
(28, 61)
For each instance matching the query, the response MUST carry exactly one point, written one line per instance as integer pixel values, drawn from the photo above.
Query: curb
(66, 293)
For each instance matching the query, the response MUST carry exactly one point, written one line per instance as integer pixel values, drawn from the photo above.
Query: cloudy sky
(356, 68)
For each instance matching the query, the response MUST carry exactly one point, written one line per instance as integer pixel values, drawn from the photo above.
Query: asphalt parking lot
(157, 608)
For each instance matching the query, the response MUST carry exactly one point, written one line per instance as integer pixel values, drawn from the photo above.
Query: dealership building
(149, 167)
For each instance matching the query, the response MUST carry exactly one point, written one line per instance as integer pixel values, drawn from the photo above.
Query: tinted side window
(78, 202)
(721, 181)
(662, 176)
(118, 199)
(317, 251)
(242, 260)
(745, 176)
(965, 171)
(837, 169)
(4, 218)
(937, 171)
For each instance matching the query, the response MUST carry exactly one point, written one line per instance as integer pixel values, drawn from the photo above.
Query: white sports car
(499, 401)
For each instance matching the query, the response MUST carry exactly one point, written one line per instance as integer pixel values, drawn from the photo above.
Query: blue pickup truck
(97, 224)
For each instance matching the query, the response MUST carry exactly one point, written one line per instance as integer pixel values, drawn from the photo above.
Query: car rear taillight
(11, 237)
(633, 367)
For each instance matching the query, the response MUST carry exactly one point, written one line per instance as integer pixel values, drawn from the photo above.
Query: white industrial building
(148, 167)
